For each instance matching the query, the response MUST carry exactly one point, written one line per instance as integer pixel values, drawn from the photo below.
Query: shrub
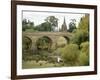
(70, 54)
(84, 56)
(85, 47)
(83, 59)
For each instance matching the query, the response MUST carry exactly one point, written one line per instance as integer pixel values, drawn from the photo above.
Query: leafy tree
(72, 25)
(46, 26)
(27, 24)
(70, 54)
(24, 24)
(52, 20)
(84, 23)
(37, 27)
(81, 34)
(50, 23)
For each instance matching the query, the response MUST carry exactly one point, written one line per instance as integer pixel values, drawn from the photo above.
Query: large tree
(24, 24)
(53, 21)
(72, 25)
(84, 23)
(27, 24)
(82, 32)
(84, 26)
(46, 26)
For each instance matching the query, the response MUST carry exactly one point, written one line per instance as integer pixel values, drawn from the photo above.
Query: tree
(50, 23)
(81, 34)
(46, 26)
(70, 54)
(52, 20)
(72, 25)
(24, 24)
(84, 25)
(27, 24)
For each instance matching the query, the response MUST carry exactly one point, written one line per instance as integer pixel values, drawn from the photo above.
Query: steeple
(64, 26)
(64, 21)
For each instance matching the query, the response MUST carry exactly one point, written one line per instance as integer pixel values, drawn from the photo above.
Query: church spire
(64, 26)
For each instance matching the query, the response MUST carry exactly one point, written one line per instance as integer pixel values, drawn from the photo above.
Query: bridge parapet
(47, 34)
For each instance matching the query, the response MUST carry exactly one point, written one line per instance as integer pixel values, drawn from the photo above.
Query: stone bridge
(54, 36)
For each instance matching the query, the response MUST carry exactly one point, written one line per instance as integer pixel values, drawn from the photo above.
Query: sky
(39, 17)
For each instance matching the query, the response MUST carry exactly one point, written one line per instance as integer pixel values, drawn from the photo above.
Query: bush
(85, 47)
(83, 59)
(84, 56)
(70, 54)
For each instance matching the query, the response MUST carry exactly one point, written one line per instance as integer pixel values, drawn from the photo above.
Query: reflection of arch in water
(44, 43)
(27, 42)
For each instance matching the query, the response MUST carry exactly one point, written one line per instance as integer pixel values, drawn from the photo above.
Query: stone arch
(61, 41)
(67, 39)
(44, 41)
(27, 42)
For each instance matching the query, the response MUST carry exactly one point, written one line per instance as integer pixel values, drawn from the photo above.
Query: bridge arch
(27, 42)
(44, 42)
(61, 41)
(67, 39)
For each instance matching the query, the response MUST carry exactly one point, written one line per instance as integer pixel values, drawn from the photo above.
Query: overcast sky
(39, 17)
